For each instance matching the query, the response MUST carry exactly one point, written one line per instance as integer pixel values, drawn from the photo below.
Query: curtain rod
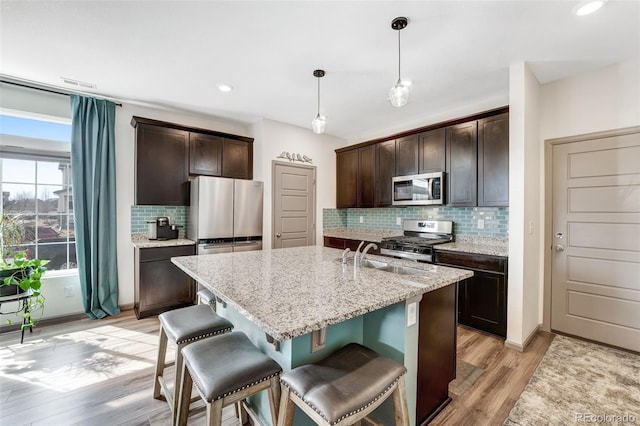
(42, 89)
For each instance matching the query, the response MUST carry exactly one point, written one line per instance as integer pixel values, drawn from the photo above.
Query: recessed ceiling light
(223, 87)
(588, 7)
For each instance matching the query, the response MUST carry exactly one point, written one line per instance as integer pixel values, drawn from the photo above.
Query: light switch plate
(412, 314)
(398, 221)
(361, 219)
(480, 223)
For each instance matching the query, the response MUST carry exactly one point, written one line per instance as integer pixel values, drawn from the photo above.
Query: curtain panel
(93, 173)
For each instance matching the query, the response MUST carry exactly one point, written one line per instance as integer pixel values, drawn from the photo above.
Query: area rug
(466, 375)
(581, 382)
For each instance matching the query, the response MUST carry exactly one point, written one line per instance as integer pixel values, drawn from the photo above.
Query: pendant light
(320, 122)
(399, 94)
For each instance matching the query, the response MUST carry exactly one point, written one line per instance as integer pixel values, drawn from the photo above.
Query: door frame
(548, 203)
(275, 163)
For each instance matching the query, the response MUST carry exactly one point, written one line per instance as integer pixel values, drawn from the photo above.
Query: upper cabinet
(493, 161)
(347, 179)
(167, 154)
(462, 163)
(385, 170)
(432, 151)
(407, 155)
(366, 176)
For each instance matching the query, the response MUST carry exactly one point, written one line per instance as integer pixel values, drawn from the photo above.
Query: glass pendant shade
(399, 94)
(319, 123)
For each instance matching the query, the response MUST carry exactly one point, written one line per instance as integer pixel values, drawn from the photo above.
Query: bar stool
(226, 369)
(206, 297)
(183, 326)
(344, 388)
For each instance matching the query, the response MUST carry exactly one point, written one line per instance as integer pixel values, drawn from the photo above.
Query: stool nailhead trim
(352, 412)
(202, 336)
(239, 389)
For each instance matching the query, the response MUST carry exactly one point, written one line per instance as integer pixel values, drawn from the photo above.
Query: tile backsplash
(495, 219)
(141, 214)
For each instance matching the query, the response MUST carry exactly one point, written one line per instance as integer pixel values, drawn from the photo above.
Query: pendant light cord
(318, 95)
(399, 55)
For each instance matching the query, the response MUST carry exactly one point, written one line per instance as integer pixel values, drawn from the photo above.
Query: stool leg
(183, 395)
(179, 364)
(160, 361)
(400, 403)
(274, 398)
(214, 413)
(287, 408)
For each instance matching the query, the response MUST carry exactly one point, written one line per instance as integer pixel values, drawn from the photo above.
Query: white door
(294, 192)
(596, 240)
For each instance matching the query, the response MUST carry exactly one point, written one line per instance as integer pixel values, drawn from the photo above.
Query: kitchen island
(290, 301)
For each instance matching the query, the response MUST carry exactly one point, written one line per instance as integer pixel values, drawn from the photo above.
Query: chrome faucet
(366, 250)
(345, 255)
(356, 256)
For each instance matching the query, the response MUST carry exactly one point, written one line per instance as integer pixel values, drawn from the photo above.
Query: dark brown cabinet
(347, 179)
(237, 159)
(493, 161)
(366, 176)
(432, 151)
(205, 154)
(462, 164)
(159, 284)
(482, 299)
(162, 166)
(385, 170)
(407, 155)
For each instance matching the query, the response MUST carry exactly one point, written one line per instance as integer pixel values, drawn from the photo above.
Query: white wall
(273, 137)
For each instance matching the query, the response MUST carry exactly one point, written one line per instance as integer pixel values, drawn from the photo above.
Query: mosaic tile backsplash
(141, 214)
(496, 219)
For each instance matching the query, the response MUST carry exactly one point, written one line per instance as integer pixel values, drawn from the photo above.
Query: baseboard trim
(522, 347)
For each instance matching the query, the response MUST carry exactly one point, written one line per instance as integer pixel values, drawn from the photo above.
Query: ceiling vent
(78, 84)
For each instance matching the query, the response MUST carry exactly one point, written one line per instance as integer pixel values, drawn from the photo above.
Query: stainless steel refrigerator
(225, 214)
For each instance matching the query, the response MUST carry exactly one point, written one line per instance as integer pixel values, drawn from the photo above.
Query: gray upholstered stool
(344, 388)
(207, 298)
(183, 326)
(227, 369)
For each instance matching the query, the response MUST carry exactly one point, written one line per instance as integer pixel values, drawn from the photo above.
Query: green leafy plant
(26, 274)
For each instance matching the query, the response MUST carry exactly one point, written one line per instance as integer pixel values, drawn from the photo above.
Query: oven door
(418, 190)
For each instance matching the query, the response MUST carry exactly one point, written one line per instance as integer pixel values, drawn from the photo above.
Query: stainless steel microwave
(418, 190)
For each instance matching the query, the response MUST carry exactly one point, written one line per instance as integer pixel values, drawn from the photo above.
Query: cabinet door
(485, 306)
(205, 154)
(462, 161)
(385, 171)
(333, 242)
(493, 161)
(407, 155)
(237, 159)
(366, 175)
(346, 178)
(162, 166)
(432, 151)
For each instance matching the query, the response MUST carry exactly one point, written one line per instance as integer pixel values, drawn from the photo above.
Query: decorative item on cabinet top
(295, 157)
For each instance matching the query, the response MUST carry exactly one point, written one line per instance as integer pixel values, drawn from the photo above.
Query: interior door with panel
(595, 289)
(294, 193)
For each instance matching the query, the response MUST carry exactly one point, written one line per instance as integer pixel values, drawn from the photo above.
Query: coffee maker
(163, 230)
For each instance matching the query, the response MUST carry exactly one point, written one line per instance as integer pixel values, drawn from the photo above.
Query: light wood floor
(100, 373)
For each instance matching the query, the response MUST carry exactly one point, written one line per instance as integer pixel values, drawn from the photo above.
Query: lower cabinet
(343, 243)
(159, 284)
(482, 299)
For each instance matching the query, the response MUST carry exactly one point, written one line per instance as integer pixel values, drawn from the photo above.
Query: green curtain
(93, 174)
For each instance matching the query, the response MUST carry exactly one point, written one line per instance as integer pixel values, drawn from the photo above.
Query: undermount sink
(383, 266)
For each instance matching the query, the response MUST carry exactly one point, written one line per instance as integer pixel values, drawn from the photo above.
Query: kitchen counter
(479, 245)
(141, 241)
(307, 287)
(361, 234)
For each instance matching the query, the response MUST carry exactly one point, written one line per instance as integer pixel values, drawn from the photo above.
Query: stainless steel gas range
(418, 240)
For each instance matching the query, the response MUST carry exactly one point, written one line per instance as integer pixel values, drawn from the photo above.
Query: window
(37, 201)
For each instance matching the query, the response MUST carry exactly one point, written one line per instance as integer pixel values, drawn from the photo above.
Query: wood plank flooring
(100, 372)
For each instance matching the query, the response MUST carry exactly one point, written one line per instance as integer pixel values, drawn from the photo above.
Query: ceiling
(173, 53)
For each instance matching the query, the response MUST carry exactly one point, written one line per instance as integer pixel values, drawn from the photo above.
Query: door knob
(559, 248)
(278, 235)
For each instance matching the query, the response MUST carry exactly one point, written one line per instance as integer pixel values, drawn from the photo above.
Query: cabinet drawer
(472, 261)
(163, 253)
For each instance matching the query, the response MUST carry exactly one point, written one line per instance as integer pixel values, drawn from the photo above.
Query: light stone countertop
(140, 240)
(294, 291)
(478, 245)
(361, 234)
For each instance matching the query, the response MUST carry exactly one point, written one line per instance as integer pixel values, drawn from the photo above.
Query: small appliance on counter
(161, 229)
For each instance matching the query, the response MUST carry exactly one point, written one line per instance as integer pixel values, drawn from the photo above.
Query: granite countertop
(140, 240)
(479, 245)
(362, 234)
(294, 291)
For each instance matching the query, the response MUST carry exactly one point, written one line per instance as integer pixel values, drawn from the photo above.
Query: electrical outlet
(412, 314)
(480, 223)
(361, 219)
(398, 221)
(68, 291)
